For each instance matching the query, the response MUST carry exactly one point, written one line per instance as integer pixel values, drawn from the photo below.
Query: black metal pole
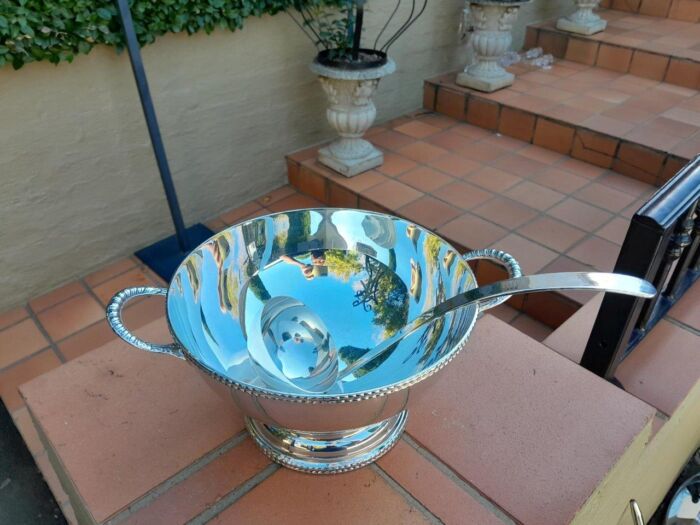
(149, 112)
(357, 36)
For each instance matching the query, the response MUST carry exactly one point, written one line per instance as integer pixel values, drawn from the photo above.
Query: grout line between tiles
(467, 487)
(178, 478)
(52, 344)
(410, 498)
(233, 496)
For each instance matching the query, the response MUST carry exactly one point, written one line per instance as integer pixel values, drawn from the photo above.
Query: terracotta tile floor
(539, 204)
(658, 115)
(630, 30)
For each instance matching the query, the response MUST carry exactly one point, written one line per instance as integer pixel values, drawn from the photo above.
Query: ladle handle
(114, 318)
(504, 259)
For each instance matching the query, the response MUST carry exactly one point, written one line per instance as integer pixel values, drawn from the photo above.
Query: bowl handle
(503, 258)
(114, 317)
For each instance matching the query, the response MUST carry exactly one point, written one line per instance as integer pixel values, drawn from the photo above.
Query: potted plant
(492, 21)
(349, 73)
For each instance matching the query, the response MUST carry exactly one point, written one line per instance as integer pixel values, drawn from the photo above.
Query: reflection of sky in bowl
(353, 273)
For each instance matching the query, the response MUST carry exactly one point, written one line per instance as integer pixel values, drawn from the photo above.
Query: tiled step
(644, 46)
(479, 190)
(685, 10)
(512, 432)
(663, 371)
(638, 127)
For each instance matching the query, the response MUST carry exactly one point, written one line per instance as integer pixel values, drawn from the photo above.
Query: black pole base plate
(164, 256)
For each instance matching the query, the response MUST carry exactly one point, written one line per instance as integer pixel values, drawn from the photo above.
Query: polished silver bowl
(272, 310)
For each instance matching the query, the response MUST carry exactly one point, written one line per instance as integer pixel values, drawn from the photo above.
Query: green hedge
(56, 30)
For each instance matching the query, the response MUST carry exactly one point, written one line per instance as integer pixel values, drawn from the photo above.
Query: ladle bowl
(274, 310)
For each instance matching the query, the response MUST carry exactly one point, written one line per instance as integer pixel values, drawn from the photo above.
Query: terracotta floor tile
(652, 138)
(614, 231)
(583, 169)
(505, 312)
(580, 214)
(422, 152)
(560, 180)
(70, 316)
(665, 125)
(417, 129)
(392, 194)
(470, 131)
(236, 215)
(462, 194)
(56, 296)
(109, 271)
(506, 212)
(519, 165)
(504, 142)
(451, 503)
(87, 339)
(532, 257)
(135, 277)
(562, 426)
(482, 152)
(455, 165)
(553, 136)
(529, 103)
(19, 374)
(429, 212)
(451, 140)
(627, 185)
(361, 182)
(687, 310)
(543, 155)
(663, 367)
(605, 197)
(437, 120)
(205, 487)
(19, 341)
(293, 202)
(292, 498)
(688, 148)
(13, 316)
(425, 179)
(531, 327)
(395, 165)
(392, 140)
(607, 125)
(552, 233)
(23, 421)
(493, 179)
(597, 252)
(630, 114)
(472, 232)
(570, 114)
(534, 195)
(137, 444)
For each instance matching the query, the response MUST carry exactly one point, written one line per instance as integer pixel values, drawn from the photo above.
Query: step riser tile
(645, 59)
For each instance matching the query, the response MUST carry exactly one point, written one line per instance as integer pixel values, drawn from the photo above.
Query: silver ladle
(328, 374)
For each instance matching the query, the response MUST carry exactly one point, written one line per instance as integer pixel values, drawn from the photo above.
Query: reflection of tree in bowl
(384, 293)
(343, 264)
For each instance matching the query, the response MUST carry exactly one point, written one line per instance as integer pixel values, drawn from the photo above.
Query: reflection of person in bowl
(310, 271)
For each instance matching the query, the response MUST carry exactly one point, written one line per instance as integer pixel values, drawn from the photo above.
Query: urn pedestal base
(487, 85)
(587, 28)
(327, 452)
(354, 166)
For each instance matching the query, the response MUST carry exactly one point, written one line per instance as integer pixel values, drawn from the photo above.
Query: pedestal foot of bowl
(327, 452)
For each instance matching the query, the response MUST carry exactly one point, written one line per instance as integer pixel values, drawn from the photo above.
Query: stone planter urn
(351, 112)
(493, 21)
(583, 21)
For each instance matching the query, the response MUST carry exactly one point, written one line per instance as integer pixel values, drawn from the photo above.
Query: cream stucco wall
(79, 186)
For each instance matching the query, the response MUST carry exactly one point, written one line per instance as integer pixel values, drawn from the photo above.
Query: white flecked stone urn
(351, 112)
(583, 21)
(493, 21)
